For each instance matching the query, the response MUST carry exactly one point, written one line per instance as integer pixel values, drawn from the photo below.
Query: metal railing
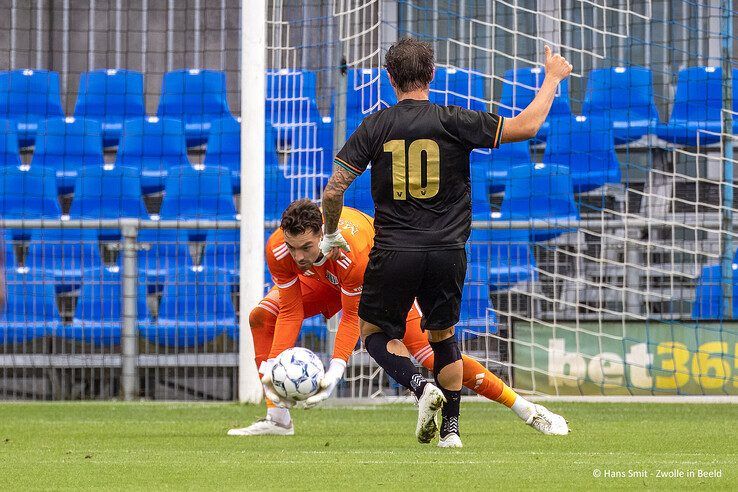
(128, 360)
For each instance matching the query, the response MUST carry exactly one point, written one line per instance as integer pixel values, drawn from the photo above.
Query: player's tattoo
(333, 197)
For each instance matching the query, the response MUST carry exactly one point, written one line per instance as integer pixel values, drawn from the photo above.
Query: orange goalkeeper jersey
(345, 275)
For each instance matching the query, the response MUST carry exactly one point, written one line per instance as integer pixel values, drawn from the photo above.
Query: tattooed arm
(333, 242)
(333, 197)
(350, 162)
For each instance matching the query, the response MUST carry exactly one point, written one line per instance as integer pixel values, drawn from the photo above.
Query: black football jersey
(419, 155)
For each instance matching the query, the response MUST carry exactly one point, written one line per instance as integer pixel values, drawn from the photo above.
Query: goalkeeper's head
(302, 225)
(410, 64)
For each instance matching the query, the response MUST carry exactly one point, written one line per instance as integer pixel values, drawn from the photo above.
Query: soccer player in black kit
(419, 153)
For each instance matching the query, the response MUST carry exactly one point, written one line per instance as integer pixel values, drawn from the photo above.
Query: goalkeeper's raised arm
(526, 124)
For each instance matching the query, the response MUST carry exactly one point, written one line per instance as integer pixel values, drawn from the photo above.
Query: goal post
(253, 94)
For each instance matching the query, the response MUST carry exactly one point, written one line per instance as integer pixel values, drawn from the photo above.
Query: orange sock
(476, 377)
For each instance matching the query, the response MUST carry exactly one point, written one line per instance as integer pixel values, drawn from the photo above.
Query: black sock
(447, 352)
(400, 368)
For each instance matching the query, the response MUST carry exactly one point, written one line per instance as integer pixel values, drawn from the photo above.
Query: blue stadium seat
(277, 188)
(222, 256)
(480, 188)
(362, 95)
(222, 252)
(224, 148)
(291, 107)
(518, 90)
(10, 260)
(28, 194)
(587, 146)
(286, 181)
(697, 107)
(476, 314)
(67, 145)
(195, 96)
(166, 249)
(453, 86)
(98, 315)
(111, 96)
(543, 192)
(624, 96)
(198, 194)
(296, 88)
(28, 96)
(152, 145)
(496, 165)
(9, 151)
(110, 193)
(63, 254)
(359, 194)
(708, 302)
(507, 253)
(30, 309)
(196, 307)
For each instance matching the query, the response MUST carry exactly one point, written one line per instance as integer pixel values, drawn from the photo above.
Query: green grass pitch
(184, 446)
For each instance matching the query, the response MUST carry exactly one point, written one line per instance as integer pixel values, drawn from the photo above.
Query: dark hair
(302, 216)
(410, 63)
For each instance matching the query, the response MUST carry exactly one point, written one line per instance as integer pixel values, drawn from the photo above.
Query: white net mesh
(601, 259)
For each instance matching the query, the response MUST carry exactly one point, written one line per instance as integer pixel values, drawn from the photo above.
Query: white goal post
(253, 93)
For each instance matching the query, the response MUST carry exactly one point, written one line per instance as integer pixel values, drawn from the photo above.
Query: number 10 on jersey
(408, 173)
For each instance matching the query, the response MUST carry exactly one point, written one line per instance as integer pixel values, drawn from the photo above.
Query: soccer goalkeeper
(308, 284)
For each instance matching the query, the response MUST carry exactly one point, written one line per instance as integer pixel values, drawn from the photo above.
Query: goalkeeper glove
(331, 378)
(269, 391)
(331, 241)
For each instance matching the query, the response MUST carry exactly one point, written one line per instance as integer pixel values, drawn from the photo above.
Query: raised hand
(556, 65)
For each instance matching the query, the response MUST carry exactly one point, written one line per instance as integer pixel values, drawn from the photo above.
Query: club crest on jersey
(348, 226)
(331, 278)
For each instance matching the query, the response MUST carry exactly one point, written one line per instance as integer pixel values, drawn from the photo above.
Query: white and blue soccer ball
(297, 373)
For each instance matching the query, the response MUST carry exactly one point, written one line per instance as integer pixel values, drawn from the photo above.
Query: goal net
(625, 284)
(601, 257)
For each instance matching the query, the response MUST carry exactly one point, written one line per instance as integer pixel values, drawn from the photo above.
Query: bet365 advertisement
(611, 358)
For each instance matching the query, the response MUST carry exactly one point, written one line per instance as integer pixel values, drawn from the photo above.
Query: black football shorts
(394, 279)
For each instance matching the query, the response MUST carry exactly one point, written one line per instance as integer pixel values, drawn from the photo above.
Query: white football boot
(429, 404)
(264, 427)
(547, 422)
(450, 441)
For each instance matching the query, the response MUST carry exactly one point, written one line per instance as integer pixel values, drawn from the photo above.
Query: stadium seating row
(195, 308)
(112, 96)
(709, 298)
(152, 145)
(69, 159)
(147, 151)
(115, 192)
(622, 95)
(619, 98)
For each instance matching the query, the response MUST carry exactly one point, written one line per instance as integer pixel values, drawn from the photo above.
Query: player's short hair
(410, 62)
(302, 216)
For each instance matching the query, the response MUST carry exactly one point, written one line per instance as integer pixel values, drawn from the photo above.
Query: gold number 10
(410, 168)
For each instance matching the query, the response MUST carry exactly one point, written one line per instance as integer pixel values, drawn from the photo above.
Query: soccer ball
(297, 373)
